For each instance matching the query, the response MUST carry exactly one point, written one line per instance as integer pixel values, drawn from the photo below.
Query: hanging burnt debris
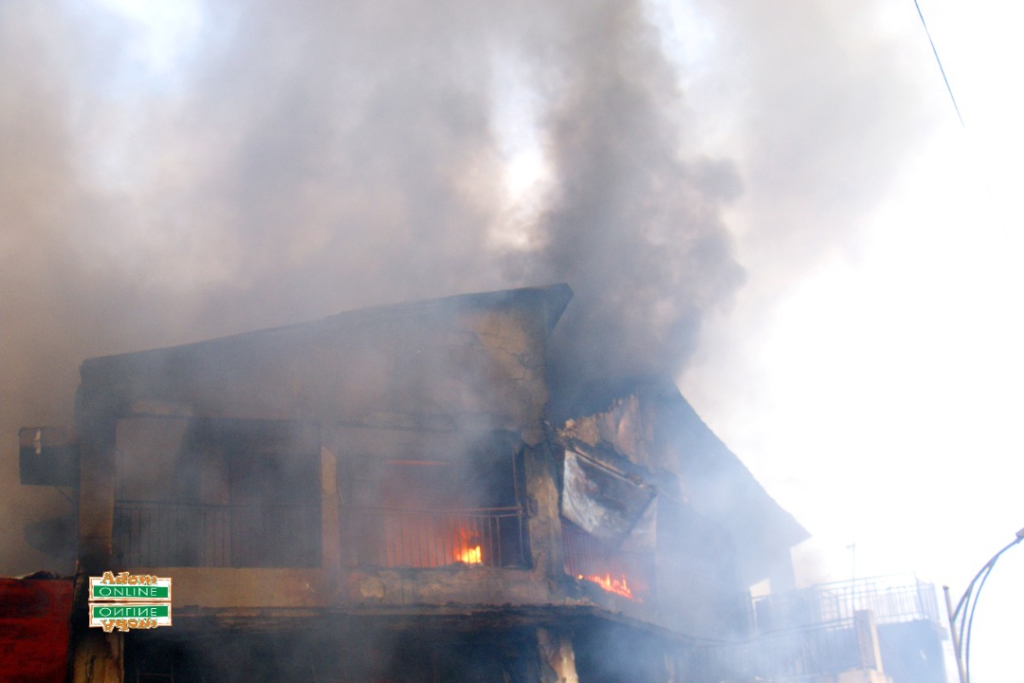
(392, 477)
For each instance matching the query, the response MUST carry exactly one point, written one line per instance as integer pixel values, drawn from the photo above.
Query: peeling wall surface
(397, 466)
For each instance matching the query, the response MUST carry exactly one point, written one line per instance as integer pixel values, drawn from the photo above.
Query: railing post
(961, 670)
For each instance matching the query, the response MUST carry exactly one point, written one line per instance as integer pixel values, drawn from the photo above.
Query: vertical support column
(96, 495)
(557, 658)
(867, 640)
(330, 525)
(98, 657)
(544, 526)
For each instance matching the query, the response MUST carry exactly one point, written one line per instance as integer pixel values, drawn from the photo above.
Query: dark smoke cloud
(293, 160)
(634, 224)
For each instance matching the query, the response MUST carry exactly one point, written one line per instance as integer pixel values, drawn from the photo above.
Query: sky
(879, 398)
(776, 199)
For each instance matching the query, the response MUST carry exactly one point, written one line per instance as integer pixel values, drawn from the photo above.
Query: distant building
(879, 629)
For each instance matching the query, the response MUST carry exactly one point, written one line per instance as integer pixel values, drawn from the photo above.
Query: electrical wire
(970, 622)
(969, 606)
(939, 62)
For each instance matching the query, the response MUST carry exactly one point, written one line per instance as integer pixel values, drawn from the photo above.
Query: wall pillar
(96, 495)
(98, 657)
(545, 528)
(330, 523)
(557, 658)
(867, 640)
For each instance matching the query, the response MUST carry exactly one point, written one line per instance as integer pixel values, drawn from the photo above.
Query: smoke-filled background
(772, 201)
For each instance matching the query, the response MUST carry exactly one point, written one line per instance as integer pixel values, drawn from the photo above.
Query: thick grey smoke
(634, 223)
(276, 162)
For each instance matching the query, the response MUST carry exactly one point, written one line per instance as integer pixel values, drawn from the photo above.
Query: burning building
(388, 495)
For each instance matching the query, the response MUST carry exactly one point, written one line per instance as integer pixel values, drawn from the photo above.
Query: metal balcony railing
(388, 537)
(892, 599)
(177, 534)
(806, 654)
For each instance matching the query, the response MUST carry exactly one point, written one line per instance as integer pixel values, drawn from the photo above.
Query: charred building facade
(385, 495)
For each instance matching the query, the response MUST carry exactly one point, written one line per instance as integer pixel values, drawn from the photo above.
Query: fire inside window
(442, 504)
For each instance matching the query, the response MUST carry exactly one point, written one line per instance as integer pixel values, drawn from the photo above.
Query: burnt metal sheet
(601, 502)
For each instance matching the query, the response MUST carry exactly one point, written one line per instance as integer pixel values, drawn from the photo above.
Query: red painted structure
(35, 628)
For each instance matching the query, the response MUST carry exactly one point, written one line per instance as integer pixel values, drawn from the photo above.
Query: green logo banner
(130, 611)
(126, 601)
(105, 592)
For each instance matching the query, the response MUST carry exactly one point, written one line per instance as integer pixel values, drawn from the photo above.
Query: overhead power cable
(968, 604)
(939, 62)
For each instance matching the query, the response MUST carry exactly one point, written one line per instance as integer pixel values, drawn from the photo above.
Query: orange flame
(606, 582)
(470, 555)
(469, 550)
